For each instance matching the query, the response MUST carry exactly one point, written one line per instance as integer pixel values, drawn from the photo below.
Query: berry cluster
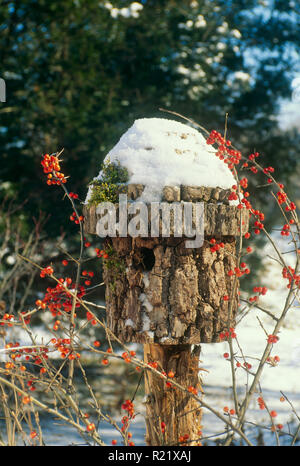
(216, 246)
(260, 290)
(63, 346)
(282, 199)
(192, 390)
(37, 355)
(87, 275)
(183, 439)
(286, 228)
(91, 318)
(272, 339)
(290, 274)
(51, 166)
(273, 360)
(261, 402)
(154, 364)
(127, 357)
(228, 334)
(46, 271)
(58, 299)
(129, 407)
(101, 253)
(76, 219)
(229, 411)
(253, 156)
(239, 271)
(6, 320)
(229, 155)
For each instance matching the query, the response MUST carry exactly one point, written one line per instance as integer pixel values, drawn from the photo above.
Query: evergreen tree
(79, 72)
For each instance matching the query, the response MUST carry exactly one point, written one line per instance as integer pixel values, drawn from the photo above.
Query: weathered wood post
(170, 298)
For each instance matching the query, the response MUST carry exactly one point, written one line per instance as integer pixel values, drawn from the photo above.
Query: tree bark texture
(173, 417)
(159, 291)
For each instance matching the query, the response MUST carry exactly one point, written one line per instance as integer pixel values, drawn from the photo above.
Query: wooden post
(171, 299)
(172, 413)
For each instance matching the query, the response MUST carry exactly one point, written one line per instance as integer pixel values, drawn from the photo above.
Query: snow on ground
(285, 376)
(158, 152)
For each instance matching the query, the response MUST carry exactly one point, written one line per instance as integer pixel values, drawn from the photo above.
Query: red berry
(90, 427)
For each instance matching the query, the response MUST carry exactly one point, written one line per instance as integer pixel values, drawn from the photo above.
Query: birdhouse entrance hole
(147, 259)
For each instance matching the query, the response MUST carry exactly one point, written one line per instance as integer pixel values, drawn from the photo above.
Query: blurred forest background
(79, 72)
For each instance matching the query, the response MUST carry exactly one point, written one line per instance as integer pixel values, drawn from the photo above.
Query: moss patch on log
(114, 265)
(113, 182)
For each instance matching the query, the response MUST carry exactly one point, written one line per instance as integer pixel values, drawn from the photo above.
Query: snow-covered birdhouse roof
(159, 152)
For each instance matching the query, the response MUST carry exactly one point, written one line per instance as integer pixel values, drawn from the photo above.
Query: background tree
(79, 72)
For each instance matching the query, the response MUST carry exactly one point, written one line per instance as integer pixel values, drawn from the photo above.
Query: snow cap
(158, 152)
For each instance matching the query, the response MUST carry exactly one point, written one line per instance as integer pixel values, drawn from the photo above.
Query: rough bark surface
(159, 291)
(174, 407)
(219, 219)
(164, 293)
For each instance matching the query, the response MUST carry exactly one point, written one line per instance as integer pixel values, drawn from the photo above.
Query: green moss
(112, 183)
(115, 264)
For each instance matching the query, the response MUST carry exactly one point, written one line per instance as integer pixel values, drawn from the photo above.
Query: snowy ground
(284, 377)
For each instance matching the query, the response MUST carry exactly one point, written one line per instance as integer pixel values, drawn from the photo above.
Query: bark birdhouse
(157, 289)
(160, 292)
